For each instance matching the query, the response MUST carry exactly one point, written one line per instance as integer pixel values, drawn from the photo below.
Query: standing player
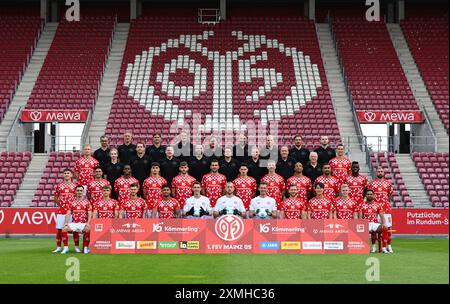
(357, 183)
(182, 184)
(95, 187)
(134, 206)
(330, 182)
(213, 183)
(302, 183)
(275, 182)
(340, 165)
(153, 187)
(106, 207)
(81, 211)
(197, 206)
(319, 207)
(167, 207)
(263, 206)
(63, 195)
(229, 203)
(84, 168)
(293, 208)
(345, 208)
(122, 185)
(113, 169)
(245, 186)
(373, 213)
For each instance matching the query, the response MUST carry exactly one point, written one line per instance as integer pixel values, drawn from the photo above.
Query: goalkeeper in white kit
(197, 206)
(229, 203)
(263, 206)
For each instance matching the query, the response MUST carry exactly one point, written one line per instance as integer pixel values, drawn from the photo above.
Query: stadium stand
(433, 169)
(13, 166)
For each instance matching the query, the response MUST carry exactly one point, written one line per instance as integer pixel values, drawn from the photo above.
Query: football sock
(373, 235)
(58, 237)
(76, 238)
(65, 239)
(86, 239)
(389, 241)
(385, 234)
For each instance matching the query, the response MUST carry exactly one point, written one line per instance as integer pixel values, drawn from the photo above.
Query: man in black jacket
(199, 164)
(156, 151)
(298, 152)
(255, 168)
(184, 149)
(229, 166)
(102, 153)
(140, 165)
(313, 169)
(170, 165)
(127, 149)
(325, 153)
(285, 165)
(240, 150)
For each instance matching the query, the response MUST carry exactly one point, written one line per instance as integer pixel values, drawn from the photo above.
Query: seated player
(133, 207)
(229, 203)
(373, 212)
(319, 207)
(197, 206)
(81, 211)
(293, 207)
(167, 207)
(263, 206)
(345, 208)
(106, 207)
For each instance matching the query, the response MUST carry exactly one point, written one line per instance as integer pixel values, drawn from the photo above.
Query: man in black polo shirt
(199, 164)
(298, 152)
(240, 150)
(214, 150)
(325, 153)
(285, 165)
(127, 149)
(270, 151)
(169, 165)
(255, 168)
(313, 169)
(102, 153)
(156, 151)
(228, 165)
(113, 170)
(184, 149)
(140, 165)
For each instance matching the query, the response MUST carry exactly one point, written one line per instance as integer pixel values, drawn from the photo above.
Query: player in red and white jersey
(293, 207)
(213, 183)
(319, 207)
(106, 207)
(182, 185)
(373, 212)
(167, 207)
(344, 207)
(153, 185)
(340, 165)
(122, 185)
(275, 182)
(245, 186)
(197, 206)
(330, 182)
(263, 206)
(84, 167)
(95, 187)
(133, 207)
(63, 195)
(357, 183)
(302, 183)
(387, 215)
(81, 211)
(229, 203)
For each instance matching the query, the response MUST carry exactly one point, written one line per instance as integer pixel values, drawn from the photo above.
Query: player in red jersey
(357, 183)
(84, 168)
(123, 183)
(213, 183)
(106, 207)
(344, 207)
(373, 212)
(245, 186)
(302, 182)
(340, 165)
(182, 185)
(275, 183)
(134, 206)
(63, 195)
(81, 211)
(95, 187)
(319, 207)
(293, 207)
(167, 207)
(152, 187)
(330, 182)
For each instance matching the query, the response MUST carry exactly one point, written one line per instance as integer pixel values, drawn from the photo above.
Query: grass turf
(414, 261)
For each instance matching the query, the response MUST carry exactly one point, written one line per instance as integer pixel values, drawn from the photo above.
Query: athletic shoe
(58, 249)
(65, 250)
(389, 249)
(384, 250)
(86, 250)
(374, 249)
(77, 250)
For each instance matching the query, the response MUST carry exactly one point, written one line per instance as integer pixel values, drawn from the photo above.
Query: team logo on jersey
(229, 227)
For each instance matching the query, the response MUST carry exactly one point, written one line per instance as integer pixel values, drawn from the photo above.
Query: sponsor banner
(420, 221)
(54, 115)
(28, 220)
(390, 116)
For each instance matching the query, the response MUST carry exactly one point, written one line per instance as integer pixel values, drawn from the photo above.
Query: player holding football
(122, 185)
(302, 183)
(63, 195)
(197, 206)
(106, 207)
(319, 207)
(95, 187)
(330, 183)
(182, 184)
(213, 183)
(345, 208)
(293, 207)
(153, 187)
(357, 183)
(167, 207)
(81, 211)
(84, 168)
(245, 186)
(275, 182)
(133, 207)
(263, 206)
(229, 203)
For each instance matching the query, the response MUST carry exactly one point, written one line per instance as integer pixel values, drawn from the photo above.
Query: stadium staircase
(108, 86)
(28, 80)
(417, 85)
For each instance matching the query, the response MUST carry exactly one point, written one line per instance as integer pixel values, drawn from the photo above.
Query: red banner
(390, 116)
(27, 220)
(54, 115)
(420, 221)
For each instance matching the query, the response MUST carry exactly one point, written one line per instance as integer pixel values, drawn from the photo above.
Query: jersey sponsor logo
(229, 227)
(125, 245)
(146, 245)
(291, 245)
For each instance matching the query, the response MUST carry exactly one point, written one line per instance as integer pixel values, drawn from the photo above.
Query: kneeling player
(229, 203)
(197, 206)
(106, 207)
(134, 207)
(263, 206)
(167, 207)
(293, 208)
(81, 211)
(372, 212)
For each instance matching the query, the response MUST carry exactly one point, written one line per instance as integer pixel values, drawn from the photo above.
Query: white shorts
(77, 227)
(374, 226)
(388, 220)
(60, 221)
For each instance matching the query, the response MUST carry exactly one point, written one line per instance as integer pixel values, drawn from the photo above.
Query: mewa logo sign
(54, 115)
(27, 220)
(390, 116)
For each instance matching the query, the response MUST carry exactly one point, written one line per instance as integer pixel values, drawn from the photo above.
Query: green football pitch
(414, 261)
